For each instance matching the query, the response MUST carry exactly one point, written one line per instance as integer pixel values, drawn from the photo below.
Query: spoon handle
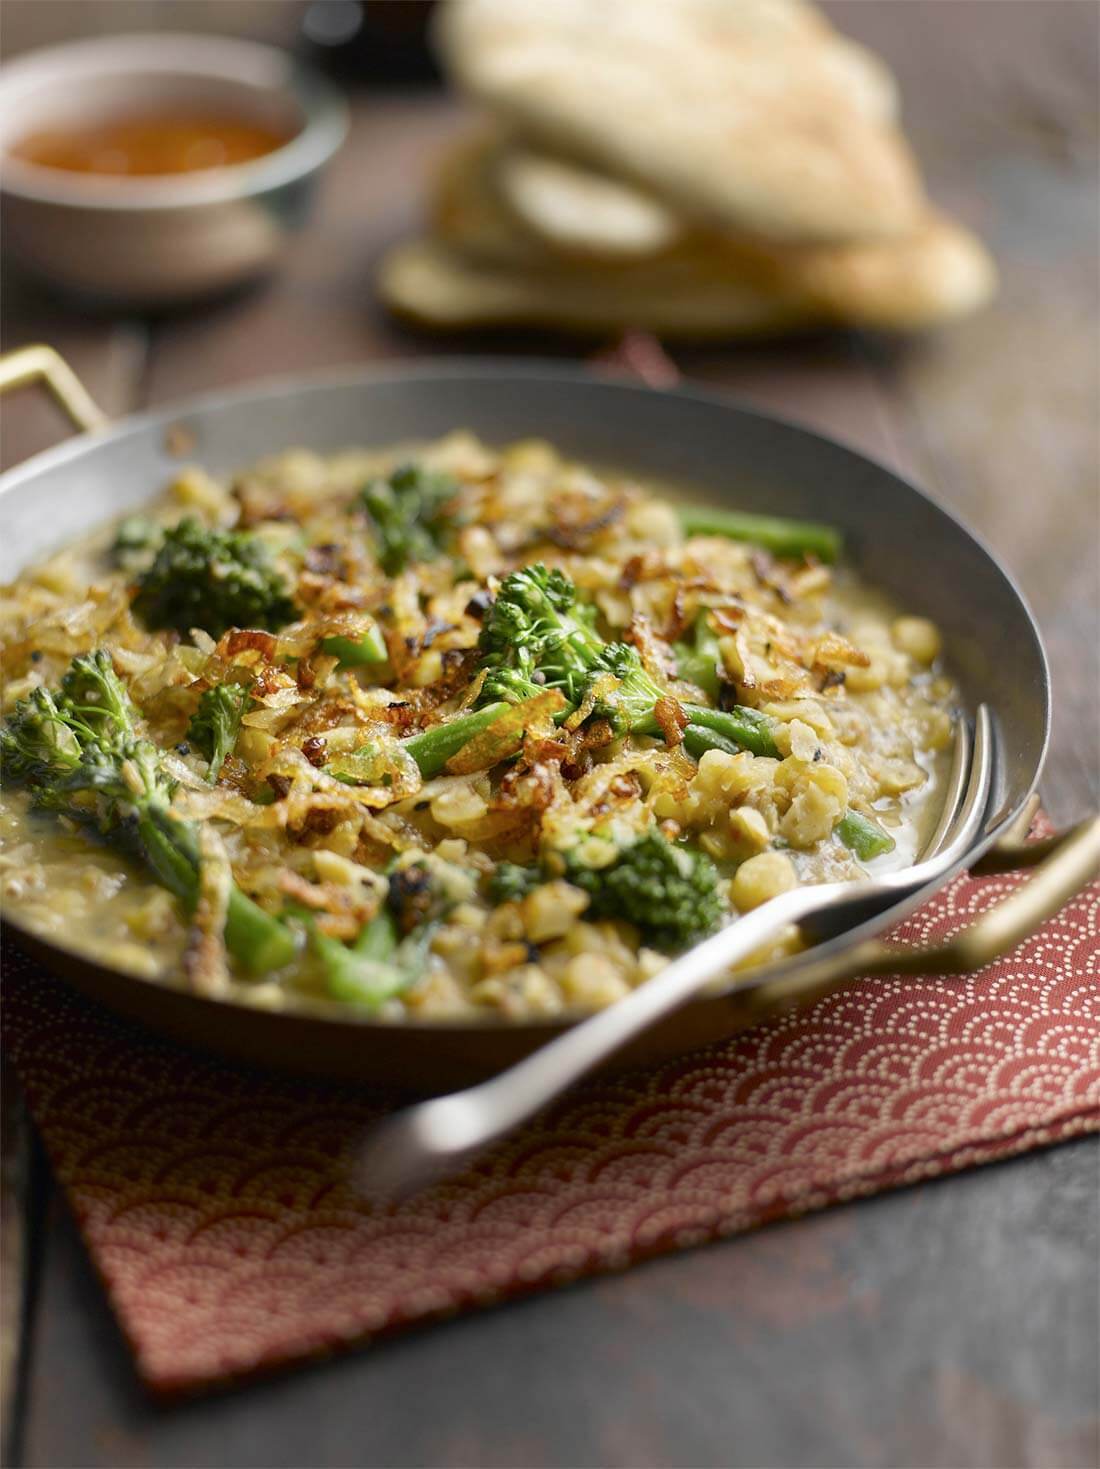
(515, 1094)
(412, 1147)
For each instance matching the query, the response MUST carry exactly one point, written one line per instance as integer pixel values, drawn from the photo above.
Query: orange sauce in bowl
(149, 144)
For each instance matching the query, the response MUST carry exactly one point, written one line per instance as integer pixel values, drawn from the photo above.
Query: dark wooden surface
(954, 1324)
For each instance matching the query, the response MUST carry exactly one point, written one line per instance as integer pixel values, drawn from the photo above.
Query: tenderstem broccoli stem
(782, 537)
(373, 969)
(746, 728)
(257, 940)
(379, 938)
(863, 836)
(698, 740)
(730, 730)
(432, 748)
(737, 729)
(370, 647)
(699, 660)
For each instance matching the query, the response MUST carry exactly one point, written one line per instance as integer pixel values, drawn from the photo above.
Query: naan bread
(935, 273)
(437, 287)
(579, 211)
(466, 211)
(750, 115)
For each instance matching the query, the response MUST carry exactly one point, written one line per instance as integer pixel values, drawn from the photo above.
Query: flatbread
(582, 211)
(578, 211)
(436, 287)
(466, 212)
(938, 272)
(749, 115)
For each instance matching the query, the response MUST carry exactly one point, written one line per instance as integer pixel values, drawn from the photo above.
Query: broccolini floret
(668, 892)
(137, 540)
(213, 579)
(536, 636)
(628, 705)
(700, 660)
(510, 882)
(216, 723)
(79, 752)
(407, 513)
(56, 743)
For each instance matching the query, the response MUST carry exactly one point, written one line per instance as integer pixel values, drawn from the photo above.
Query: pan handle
(1068, 863)
(39, 363)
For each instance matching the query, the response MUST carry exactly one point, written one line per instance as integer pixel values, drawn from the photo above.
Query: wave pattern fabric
(214, 1204)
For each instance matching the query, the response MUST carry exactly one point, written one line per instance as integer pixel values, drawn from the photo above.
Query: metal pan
(899, 538)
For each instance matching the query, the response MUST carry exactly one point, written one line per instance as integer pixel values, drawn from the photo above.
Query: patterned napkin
(214, 1202)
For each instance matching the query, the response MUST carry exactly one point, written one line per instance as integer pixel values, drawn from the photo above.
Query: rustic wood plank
(15, 1259)
(27, 1194)
(107, 355)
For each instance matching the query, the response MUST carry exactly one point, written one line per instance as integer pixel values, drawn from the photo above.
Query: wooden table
(952, 1324)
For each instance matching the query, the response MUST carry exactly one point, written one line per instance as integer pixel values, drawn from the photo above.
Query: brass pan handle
(1069, 862)
(1066, 864)
(41, 364)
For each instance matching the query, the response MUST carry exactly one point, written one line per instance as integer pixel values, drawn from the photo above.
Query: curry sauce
(147, 144)
(324, 808)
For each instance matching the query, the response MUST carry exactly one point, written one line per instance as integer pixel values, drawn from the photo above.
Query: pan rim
(550, 372)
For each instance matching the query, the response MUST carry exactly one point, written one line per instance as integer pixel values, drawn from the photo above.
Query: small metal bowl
(161, 239)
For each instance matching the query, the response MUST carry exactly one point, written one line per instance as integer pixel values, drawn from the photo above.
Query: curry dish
(440, 731)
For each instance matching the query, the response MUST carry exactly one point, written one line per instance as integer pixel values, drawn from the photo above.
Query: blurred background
(383, 41)
(962, 347)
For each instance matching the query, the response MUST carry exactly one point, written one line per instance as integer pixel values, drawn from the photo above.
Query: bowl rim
(251, 66)
(788, 971)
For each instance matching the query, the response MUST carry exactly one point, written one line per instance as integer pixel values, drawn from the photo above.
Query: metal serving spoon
(424, 1142)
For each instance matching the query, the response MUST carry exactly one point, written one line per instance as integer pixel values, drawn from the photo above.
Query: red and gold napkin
(214, 1202)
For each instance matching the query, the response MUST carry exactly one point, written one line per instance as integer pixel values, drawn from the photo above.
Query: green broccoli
(391, 951)
(137, 540)
(793, 539)
(629, 704)
(214, 580)
(408, 515)
(670, 893)
(510, 882)
(377, 966)
(700, 660)
(216, 723)
(535, 636)
(79, 753)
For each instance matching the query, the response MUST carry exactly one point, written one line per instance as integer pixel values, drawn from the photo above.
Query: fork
(431, 1139)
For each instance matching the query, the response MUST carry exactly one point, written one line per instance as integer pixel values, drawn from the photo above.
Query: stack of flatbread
(694, 168)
